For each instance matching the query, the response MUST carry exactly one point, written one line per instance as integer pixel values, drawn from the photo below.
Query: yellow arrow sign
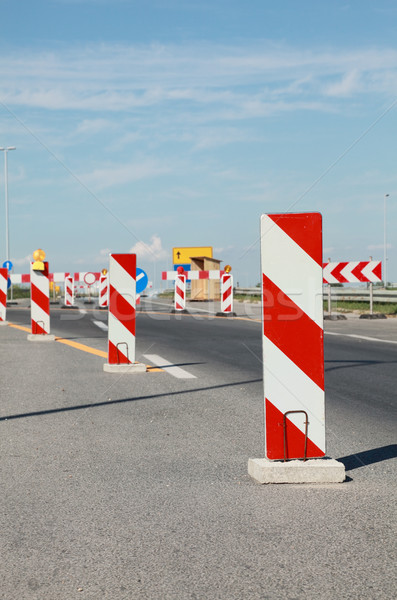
(182, 256)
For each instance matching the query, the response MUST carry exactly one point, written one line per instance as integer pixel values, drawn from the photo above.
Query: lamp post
(5, 150)
(385, 243)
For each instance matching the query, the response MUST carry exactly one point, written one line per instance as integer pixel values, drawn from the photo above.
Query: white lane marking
(101, 325)
(361, 337)
(169, 367)
(82, 311)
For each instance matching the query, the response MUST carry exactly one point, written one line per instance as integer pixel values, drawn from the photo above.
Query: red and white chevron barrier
(172, 275)
(3, 294)
(180, 293)
(69, 291)
(103, 291)
(227, 293)
(40, 303)
(293, 360)
(17, 278)
(122, 314)
(352, 272)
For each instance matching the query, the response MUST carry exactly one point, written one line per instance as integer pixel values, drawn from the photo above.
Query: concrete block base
(3, 323)
(174, 311)
(127, 369)
(38, 337)
(314, 470)
(223, 314)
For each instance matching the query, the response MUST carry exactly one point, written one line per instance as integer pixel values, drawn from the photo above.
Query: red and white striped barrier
(180, 293)
(293, 359)
(3, 294)
(40, 303)
(172, 275)
(122, 314)
(227, 293)
(69, 291)
(352, 272)
(103, 291)
(17, 278)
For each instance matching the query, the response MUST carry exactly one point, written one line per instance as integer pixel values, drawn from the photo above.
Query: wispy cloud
(152, 251)
(113, 175)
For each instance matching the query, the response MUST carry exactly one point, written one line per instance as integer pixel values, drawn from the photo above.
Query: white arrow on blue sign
(141, 280)
(7, 264)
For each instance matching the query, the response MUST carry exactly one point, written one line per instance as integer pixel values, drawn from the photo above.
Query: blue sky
(144, 125)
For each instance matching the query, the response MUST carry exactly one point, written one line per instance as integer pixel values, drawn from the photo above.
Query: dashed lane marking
(101, 325)
(361, 337)
(170, 368)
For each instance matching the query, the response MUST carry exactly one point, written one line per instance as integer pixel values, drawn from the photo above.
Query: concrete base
(71, 307)
(314, 470)
(3, 323)
(373, 316)
(174, 311)
(39, 337)
(134, 368)
(223, 314)
(11, 303)
(335, 318)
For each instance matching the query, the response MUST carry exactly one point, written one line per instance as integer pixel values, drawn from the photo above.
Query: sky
(143, 125)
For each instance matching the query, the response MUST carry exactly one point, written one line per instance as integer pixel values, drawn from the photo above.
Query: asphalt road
(136, 486)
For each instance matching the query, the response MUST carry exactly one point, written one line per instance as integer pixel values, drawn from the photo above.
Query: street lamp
(5, 150)
(385, 243)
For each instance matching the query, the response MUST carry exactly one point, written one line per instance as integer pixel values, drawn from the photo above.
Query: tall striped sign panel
(180, 292)
(103, 291)
(227, 293)
(69, 291)
(122, 309)
(3, 294)
(40, 300)
(293, 355)
(369, 271)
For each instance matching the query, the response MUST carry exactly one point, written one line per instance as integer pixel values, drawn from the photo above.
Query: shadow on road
(64, 409)
(369, 457)
(349, 364)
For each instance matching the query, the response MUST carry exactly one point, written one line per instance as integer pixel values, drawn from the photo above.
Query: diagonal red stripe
(117, 356)
(40, 299)
(227, 293)
(37, 329)
(336, 272)
(357, 271)
(305, 229)
(121, 309)
(3, 298)
(377, 271)
(295, 439)
(127, 261)
(293, 332)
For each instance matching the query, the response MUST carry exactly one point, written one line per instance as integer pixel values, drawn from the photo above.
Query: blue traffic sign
(7, 264)
(8, 282)
(141, 280)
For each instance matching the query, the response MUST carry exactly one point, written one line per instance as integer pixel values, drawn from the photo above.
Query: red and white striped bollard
(3, 295)
(122, 315)
(40, 304)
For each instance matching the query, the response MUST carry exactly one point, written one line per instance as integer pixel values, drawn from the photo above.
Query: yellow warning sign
(182, 256)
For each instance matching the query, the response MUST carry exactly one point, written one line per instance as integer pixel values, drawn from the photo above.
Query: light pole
(5, 150)
(385, 243)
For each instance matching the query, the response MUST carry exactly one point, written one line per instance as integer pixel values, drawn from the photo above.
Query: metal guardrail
(341, 294)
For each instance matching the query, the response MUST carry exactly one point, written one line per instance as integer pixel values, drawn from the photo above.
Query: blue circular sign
(141, 280)
(8, 283)
(7, 264)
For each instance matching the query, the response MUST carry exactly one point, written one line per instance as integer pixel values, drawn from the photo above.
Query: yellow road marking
(83, 347)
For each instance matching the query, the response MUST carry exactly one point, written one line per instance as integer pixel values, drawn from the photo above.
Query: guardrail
(341, 294)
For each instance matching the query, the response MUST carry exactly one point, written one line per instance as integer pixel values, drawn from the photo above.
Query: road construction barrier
(3, 294)
(40, 300)
(122, 315)
(293, 358)
(227, 293)
(180, 293)
(103, 291)
(172, 275)
(69, 291)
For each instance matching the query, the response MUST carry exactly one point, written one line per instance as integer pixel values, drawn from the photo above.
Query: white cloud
(111, 175)
(378, 246)
(152, 251)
